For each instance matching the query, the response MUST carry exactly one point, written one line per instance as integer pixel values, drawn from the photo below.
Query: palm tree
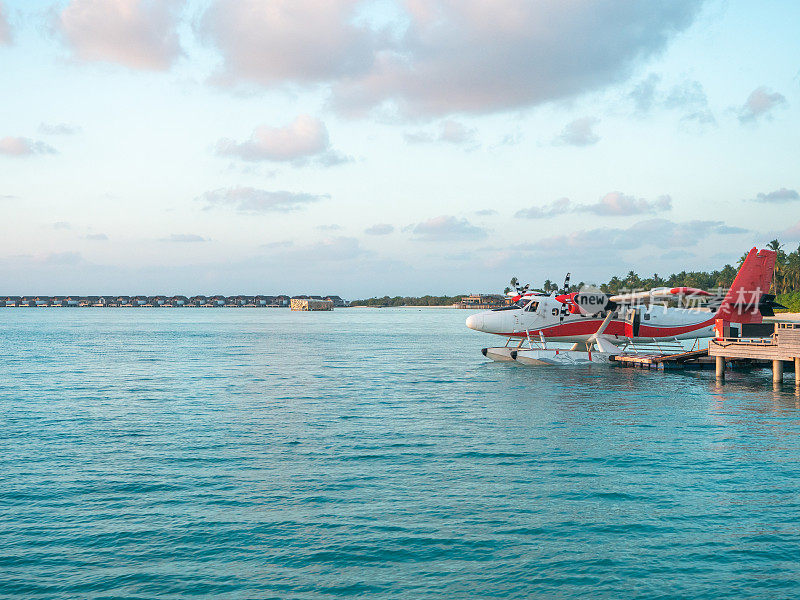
(775, 245)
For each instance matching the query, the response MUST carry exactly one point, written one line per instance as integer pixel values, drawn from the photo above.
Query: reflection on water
(376, 453)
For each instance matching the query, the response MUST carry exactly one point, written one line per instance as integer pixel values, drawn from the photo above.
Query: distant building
(482, 301)
(311, 304)
(337, 301)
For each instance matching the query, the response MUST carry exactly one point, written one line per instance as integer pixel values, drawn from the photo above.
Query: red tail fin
(752, 282)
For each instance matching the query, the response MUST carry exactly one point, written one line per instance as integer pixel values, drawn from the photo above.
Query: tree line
(785, 283)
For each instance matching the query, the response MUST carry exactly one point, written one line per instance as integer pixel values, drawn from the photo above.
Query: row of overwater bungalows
(165, 301)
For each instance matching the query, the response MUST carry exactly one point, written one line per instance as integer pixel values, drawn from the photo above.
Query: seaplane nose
(475, 322)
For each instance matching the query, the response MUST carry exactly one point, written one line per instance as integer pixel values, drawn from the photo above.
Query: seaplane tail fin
(747, 299)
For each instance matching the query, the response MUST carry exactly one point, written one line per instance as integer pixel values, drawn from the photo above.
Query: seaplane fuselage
(543, 316)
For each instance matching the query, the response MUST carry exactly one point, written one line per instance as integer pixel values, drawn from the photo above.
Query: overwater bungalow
(217, 301)
(198, 301)
(177, 301)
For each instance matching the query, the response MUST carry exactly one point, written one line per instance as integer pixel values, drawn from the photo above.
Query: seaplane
(600, 326)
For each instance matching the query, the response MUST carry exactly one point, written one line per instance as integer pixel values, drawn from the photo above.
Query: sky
(400, 147)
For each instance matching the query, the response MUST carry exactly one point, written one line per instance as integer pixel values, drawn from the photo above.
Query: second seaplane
(600, 326)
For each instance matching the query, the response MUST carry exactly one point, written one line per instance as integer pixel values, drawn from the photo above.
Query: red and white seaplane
(600, 325)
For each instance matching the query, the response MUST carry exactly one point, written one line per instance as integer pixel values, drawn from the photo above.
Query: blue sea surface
(260, 453)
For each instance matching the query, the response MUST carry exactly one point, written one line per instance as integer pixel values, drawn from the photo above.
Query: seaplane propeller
(564, 304)
(520, 291)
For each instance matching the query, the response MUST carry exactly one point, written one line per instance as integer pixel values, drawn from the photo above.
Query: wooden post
(777, 371)
(720, 368)
(797, 371)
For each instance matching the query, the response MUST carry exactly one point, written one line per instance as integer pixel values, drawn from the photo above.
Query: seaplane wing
(657, 294)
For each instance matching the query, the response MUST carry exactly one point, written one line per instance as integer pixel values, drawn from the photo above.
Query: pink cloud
(446, 228)
(302, 139)
(760, 103)
(439, 57)
(288, 40)
(619, 204)
(22, 146)
(140, 34)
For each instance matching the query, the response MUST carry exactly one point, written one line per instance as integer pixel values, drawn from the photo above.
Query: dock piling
(777, 371)
(797, 371)
(720, 364)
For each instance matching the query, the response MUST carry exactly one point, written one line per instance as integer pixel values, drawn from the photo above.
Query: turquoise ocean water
(259, 453)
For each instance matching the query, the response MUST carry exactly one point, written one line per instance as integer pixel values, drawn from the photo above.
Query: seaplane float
(600, 326)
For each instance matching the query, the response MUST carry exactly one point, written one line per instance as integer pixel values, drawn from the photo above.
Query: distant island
(167, 301)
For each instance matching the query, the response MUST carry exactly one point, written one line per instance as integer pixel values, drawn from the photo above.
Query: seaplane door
(633, 322)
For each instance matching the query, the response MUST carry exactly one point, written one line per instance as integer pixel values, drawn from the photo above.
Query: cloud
(331, 227)
(5, 29)
(440, 57)
(61, 225)
(98, 237)
(379, 229)
(58, 129)
(644, 93)
(760, 103)
(619, 204)
(777, 197)
(688, 97)
(454, 132)
(446, 228)
(139, 34)
(184, 238)
(22, 146)
(612, 204)
(661, 233)
(304, 138)
(252, 200)
(579, 132)
(450, 131)
(294, 41)
(486, 212)
(558, 206)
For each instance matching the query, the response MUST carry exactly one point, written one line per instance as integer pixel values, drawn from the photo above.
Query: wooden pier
(779, 350)
(782, 346)
(691, 359)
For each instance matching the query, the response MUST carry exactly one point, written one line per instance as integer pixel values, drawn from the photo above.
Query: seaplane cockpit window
(532, 307)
